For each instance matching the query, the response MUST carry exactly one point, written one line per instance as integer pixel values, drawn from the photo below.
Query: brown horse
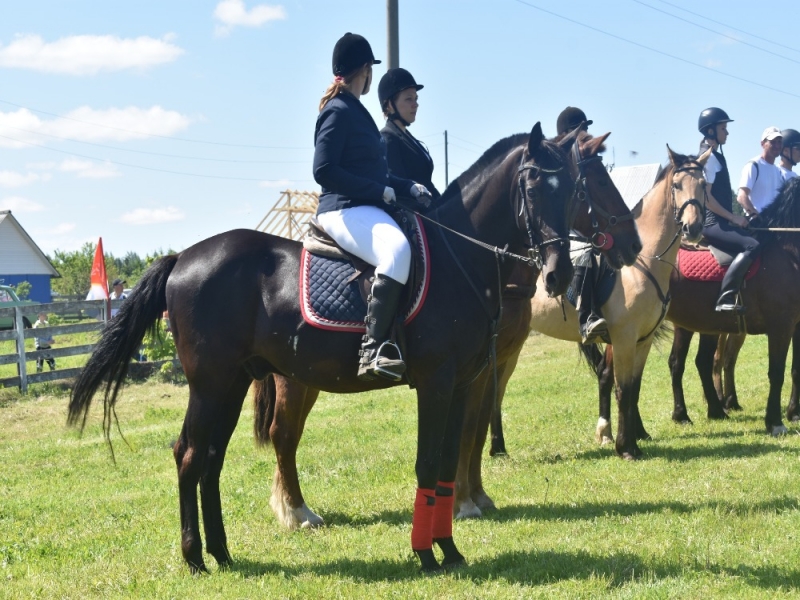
(282, 404)
(638, 302)
(235, 314)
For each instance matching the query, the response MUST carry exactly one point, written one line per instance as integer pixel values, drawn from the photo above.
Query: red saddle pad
(700, 265)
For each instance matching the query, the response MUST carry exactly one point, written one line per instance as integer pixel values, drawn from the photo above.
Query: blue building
(22, 260)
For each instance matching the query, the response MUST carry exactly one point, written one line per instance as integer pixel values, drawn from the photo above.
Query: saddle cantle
(334, 284)
(702, 263)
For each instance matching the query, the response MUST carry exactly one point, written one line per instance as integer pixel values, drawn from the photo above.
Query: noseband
(678, 212)
(601, 239)
(536, 251)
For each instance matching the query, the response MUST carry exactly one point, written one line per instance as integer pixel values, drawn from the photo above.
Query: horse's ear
(673, 158)
(594, 145)
(566, 142)
(704, 157)
(536, 139)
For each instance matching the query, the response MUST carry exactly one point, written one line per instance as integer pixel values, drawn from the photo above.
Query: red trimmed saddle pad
(330, 297)
(700, 265)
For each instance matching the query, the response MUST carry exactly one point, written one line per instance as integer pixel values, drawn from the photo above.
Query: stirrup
(379, 365)
(594, 330)
(723, 305)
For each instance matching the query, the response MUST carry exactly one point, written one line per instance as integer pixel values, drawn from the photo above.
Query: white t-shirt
(711, 169)
(787, 174)
(764, 182)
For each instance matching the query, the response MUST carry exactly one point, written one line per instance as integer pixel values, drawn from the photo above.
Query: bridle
(600, 239)
(538, 245)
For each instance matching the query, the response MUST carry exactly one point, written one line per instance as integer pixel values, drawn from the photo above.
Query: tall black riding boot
(379, 356)
(591, 325)
(732, 284)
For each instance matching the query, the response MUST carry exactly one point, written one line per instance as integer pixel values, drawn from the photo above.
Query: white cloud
(87, 54)
(60, 229)
(277, 183)
(12, 179)
(232, 13)
(20, 204)
(87, 169)
(150, 216)
(20, 128)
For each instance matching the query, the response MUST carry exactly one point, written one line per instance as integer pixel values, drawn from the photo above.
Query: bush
(159, 346)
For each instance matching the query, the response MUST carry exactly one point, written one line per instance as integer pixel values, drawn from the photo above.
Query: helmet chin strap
(789, 158)
(394, 115)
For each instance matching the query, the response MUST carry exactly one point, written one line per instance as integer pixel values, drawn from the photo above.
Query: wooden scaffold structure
(290, 215)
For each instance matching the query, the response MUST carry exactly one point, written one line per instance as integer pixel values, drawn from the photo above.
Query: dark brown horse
(282, 405)
(772, 298)
(234, 308)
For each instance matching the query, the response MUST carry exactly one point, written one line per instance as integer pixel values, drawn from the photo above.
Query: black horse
(235, 314)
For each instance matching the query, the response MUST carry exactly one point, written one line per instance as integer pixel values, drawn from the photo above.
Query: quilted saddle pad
(700, 265)
(330, 297)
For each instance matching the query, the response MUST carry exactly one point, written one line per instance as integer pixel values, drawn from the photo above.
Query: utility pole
(392, 35)
(446, 178)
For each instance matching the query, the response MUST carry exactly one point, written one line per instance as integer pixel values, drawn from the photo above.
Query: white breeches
(373, 236)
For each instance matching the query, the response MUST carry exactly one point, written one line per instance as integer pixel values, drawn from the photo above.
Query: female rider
(350, 165)
(408, 157)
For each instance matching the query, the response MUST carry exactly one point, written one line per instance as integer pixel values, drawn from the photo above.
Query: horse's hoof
(644, 436)
(632, 455)
(468, 510)
(428, 563)
(483, 501)
(606, 440)
(198, 569)
(794, 418)
(453, 559)
(717, 415)
(498, 453)
(681, 419)
(733, 404)
(602, 433)
(777, 430)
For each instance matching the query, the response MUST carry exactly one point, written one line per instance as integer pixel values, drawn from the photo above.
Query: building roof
(634, 182)
(19, 254)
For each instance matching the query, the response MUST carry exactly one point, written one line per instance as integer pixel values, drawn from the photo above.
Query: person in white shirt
(790, 154)
(761, 179)
(118, 293)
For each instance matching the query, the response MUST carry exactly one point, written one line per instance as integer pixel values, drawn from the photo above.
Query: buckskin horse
(235, 314)
(282, 405)
(674, 207)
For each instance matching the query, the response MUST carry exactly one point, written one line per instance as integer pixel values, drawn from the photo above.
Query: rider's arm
(716, 207)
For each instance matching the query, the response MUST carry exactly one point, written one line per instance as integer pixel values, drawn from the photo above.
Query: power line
(122, 164)
(225, 160)
(730, 37)
(164, 137)
(729, 26)
(661, 52)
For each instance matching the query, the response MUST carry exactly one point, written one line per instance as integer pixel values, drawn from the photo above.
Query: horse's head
(599, 211)
(545, 189)
(688, 189)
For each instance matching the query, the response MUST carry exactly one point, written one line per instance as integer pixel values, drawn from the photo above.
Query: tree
(76, 270)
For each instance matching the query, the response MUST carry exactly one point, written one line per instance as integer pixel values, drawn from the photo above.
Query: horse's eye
(531, 193)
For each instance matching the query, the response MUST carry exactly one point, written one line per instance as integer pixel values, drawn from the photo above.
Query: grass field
(712, 511)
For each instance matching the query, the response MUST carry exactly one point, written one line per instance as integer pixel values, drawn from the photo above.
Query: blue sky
(157, 124)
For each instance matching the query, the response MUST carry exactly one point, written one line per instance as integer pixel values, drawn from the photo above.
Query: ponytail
(333, 90)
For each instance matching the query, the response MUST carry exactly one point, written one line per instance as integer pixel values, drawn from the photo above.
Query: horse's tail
(119, 342)
(264, 397)
(594, 357)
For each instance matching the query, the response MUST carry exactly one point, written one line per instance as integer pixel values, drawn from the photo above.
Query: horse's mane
(785, 209)
(485, 165)
(498, 151)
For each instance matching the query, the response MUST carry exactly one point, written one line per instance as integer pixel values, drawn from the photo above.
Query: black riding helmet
(571, 118)
(393, 82)
(791, 139)
(351, 52)
(709, 119)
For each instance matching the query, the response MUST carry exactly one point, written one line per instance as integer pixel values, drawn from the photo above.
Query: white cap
(770, 133)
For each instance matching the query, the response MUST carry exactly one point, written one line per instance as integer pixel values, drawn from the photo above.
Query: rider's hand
(388, 195)
(741, 221)
(421, 193)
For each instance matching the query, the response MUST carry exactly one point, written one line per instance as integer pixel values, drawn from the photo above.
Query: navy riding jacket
(408, 157)
(350, 157)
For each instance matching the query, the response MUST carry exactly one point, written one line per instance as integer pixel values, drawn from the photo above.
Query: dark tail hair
(594, 357)
(263, 409)
(119, 342)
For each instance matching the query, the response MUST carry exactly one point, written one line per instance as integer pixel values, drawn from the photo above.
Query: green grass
(712, 511)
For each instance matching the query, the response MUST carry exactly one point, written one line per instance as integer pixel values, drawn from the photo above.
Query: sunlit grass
(711, 510)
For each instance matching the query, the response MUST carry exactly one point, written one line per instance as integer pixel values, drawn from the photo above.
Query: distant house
(22, 260)
(634, 182)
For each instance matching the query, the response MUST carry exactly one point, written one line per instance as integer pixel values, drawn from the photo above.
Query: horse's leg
(629, 358)
(190, 453)
(293, 403)
(604, 369)
(793, 410)
(704, 361)
(681, 341)
(730, 398)
(227, 416)
(479, 400)
(442, 529)
(778, 342)
(719, 361)
(498, 440)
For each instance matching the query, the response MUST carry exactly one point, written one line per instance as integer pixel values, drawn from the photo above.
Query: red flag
(99, 279)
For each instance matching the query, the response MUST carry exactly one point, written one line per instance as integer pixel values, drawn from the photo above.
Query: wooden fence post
(21, 366)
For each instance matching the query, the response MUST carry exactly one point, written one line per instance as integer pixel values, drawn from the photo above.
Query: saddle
(334, 284)
(605, 278)
(703, 262)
